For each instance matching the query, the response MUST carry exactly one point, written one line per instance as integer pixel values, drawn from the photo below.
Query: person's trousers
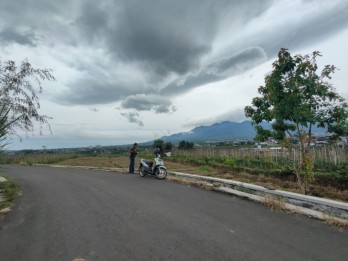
(131, 164)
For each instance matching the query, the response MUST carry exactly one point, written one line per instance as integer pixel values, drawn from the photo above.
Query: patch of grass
(328, 192)
(229, 162)
(342, 224)
(9, 190)
(204, 169)
(274, 204)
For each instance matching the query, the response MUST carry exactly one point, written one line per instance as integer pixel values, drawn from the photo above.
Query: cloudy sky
(135, 70)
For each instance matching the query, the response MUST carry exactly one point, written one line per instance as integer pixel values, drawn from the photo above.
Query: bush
(229, 162)
(343, 170)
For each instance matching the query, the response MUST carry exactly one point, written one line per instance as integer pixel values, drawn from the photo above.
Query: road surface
(65, 214)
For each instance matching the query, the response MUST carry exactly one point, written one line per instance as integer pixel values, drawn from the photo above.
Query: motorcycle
(159, 170)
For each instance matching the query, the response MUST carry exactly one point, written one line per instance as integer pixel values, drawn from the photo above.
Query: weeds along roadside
(9, 190)
(270, 169)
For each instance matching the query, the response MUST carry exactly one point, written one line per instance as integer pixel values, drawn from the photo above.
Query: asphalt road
(64, 214)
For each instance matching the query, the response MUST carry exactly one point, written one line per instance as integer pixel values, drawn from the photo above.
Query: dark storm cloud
(226, 67)
(132, 117)
(148, 103)
(92, 91)
(10, 35)
(46, 20)
(96, 84)
(89, 93)
(240, 62)
(162, 37)
(165, 42)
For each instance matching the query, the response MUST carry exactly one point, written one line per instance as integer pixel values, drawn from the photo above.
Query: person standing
(132, 154)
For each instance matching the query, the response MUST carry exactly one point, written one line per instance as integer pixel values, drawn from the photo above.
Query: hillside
(222, 131)
(225, 130)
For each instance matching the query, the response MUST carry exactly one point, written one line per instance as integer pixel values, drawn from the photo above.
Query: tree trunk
(299, 179)
(299, 168)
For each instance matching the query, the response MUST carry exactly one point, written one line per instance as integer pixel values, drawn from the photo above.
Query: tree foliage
(185, 145)
(296, 97)
(19, 100)
(159, 144)
(168, 146)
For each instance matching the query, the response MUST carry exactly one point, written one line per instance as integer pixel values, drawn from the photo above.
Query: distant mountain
(222, 131)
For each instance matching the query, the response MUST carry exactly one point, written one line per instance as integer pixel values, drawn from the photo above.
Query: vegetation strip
(9, 190)
(329, 207)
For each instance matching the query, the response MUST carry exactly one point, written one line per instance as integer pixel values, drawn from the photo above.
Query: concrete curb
(312, 206)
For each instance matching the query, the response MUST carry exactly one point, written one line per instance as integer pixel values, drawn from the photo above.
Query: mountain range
(222, 131)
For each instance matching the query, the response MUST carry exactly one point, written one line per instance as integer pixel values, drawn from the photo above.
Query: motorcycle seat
(148, 162)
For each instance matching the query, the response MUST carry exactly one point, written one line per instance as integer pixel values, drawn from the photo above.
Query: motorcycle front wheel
(142, 171)
(161, 173)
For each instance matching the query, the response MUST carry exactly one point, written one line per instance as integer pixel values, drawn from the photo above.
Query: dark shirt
(133, 151)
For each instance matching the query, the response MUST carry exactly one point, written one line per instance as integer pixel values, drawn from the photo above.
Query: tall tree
(159, 144)
(295, 98)
(168, 146)
(185, 145)
(19, 101)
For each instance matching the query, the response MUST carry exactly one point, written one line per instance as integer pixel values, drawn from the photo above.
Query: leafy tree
(168, 146)
(19, 101)
(185, 145)
(295, 98)
(182, 145)
(190, 145)
(159, 144)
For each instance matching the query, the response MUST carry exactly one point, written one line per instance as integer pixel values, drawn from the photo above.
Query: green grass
(9, 189)
(205, 169)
